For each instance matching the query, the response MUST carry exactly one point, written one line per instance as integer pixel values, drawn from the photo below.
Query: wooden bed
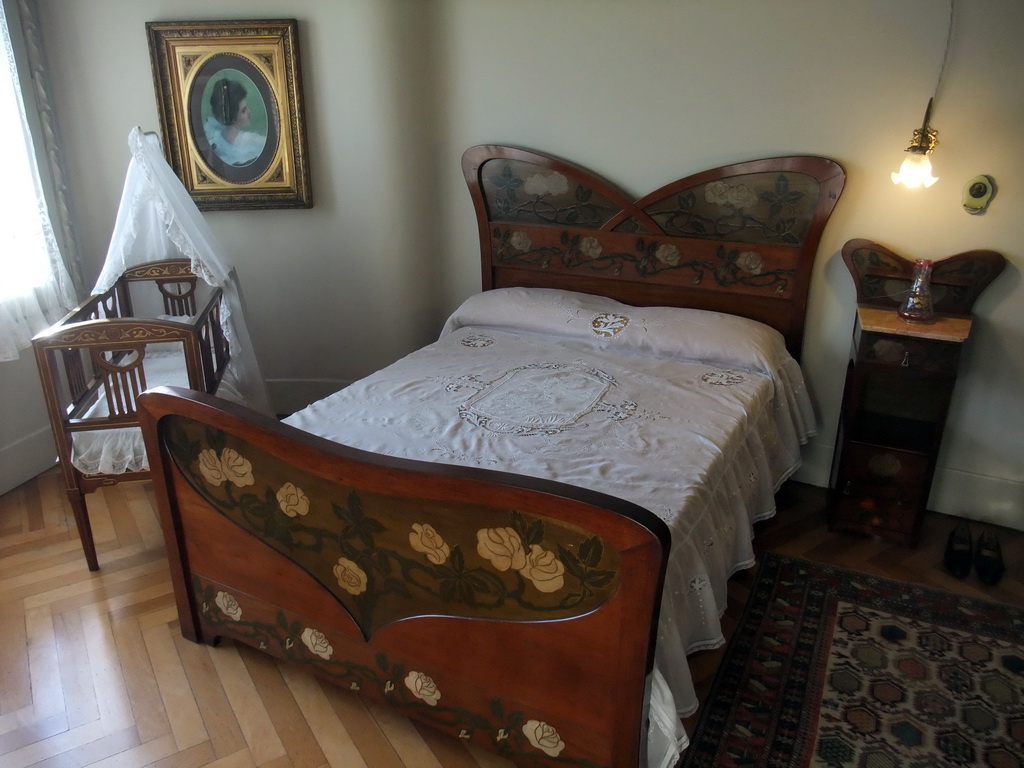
(396, 578)
(156, 325)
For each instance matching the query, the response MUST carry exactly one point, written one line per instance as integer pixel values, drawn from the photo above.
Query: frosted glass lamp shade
(916, 171)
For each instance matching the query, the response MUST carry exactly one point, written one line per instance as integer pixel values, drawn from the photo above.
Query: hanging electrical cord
(916, 170)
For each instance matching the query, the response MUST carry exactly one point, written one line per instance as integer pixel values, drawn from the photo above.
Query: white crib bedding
(116, 451)
(696, 416)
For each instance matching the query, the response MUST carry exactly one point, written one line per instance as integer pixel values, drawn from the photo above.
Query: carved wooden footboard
(512, 612)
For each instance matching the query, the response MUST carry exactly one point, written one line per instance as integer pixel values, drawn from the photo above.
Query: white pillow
(716, 338)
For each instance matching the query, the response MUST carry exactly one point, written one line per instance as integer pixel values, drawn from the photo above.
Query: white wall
(642, 93)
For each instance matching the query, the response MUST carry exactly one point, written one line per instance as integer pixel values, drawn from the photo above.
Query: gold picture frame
(230, 100)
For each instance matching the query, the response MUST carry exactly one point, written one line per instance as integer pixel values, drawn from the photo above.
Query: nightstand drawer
(909, 353)
(888, 476)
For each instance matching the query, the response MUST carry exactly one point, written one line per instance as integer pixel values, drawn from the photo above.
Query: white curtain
(35, 288)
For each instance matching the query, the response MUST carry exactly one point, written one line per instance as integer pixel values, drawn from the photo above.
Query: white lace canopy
(157, 219)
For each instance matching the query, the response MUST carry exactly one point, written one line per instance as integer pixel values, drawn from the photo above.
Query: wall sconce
(916, 170)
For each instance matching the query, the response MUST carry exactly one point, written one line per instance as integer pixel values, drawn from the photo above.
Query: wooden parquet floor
(94, 671)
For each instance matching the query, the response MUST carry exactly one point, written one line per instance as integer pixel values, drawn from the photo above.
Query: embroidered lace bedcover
(696, 416)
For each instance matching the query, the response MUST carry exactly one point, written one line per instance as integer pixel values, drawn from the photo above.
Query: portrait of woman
(234, 118)
(229, 126)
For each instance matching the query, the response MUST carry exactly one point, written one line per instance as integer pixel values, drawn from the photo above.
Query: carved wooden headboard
(739, 239)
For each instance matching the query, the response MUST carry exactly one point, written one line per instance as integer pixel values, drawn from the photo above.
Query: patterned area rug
(833, 668)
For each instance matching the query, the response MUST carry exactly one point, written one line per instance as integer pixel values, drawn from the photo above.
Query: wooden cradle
(352, 579)
(93, 363)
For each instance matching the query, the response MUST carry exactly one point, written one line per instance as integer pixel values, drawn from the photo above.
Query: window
(36, 289)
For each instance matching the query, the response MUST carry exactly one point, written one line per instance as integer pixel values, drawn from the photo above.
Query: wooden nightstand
(898, 386)
(899, 383)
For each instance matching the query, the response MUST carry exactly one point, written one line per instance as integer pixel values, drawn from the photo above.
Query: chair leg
(78, 506)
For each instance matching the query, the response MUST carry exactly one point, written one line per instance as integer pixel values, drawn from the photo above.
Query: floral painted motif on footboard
(476, 618)
(387, 559)
(508, 729)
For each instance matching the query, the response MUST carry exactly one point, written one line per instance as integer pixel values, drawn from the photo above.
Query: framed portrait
(230, 101)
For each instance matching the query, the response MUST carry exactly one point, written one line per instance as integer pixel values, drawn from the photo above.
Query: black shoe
(988, 560)
(959, 551)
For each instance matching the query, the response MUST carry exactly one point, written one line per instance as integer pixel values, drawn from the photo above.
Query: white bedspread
(696, 416)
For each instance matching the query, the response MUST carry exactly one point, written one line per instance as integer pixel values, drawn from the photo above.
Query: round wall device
(978, 193)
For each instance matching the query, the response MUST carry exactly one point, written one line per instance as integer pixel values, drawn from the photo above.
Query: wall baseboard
(23, 459)
(995, 500)
(817, 463)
